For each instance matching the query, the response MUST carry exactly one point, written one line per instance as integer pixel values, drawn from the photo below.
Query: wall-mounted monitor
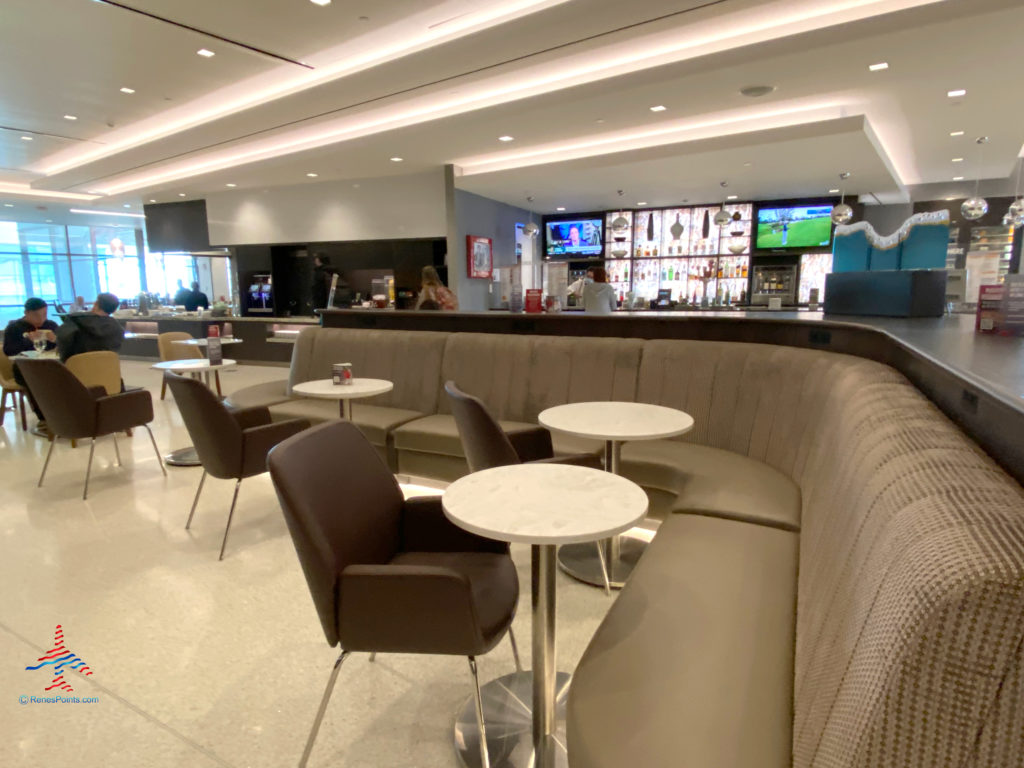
(793, 227)
(575, 238)
(177, 227)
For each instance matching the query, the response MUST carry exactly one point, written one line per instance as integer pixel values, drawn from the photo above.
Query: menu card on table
(214, 352)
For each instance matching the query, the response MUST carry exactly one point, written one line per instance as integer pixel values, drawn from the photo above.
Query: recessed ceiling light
(958, 178)
(26, 138)
(732, 197)
(49, 221)
(181, 194)
(397, 159)
(756, 91)
(643, 203)
(506, 138)
(127, 205)
(8, 205)
(70, 117)
(320, 2)
(230, 185)
(127, 90)
(950, 198)
(206, 52)
(560, 208)
(152, 201)
(956, 133)
(747, 164)
(92, 212)
(879, 66)
(957, 160)
(658, 108)
(957, 93)
(833, 191)
(312, 175)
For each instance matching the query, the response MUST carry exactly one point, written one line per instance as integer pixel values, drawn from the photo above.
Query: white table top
(205, 342)
(544, 503)
(195, 364)
(615, 420)
(328, 390)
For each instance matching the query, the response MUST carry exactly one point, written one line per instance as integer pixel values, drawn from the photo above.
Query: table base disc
(508, 714)
(183, 457)
(582, 563)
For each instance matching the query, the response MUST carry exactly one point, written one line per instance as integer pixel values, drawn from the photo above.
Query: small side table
(326, 389)
(196, 367)
(542, 505)
(614, 422)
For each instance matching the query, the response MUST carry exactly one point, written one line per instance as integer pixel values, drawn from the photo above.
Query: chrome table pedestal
(183, 457)
(515, 738)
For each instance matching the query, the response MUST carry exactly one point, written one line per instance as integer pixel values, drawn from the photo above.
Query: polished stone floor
(197, 662)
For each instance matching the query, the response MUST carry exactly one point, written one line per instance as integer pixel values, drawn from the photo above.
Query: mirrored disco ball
(842, 214)
(530, 229)
(723, 218)
(620, 225)
(974, 208)
(1017, 209)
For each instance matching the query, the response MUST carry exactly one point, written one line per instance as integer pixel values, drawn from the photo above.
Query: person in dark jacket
(92, 331)
(18, 338)
(196, 299)
(322, 274)
(181, 295)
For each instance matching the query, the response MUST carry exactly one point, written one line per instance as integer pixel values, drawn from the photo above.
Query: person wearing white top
(599, 295)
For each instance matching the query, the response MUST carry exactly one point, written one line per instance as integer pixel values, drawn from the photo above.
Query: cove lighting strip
(107, 213)
(415, 33)
(769, 21)
(26, 191)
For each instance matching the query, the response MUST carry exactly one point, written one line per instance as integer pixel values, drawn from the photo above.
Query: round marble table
(326, 389)
(542, 505)
(614, 422)
(196, 368)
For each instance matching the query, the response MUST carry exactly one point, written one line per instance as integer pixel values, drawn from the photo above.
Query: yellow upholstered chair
(169, 348)
(12, 388)
(97, 369)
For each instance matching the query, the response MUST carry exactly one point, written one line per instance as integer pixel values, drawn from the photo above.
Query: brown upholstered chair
(231, 444)
(487, 445)
(75, 411)
(12, 388)
(387, 574)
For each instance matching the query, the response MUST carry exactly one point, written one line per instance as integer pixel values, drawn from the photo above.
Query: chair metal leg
(21, 406)
(163, 390)
(323, 708)
(195, 501)
(485, 761)
(373, 656)
(515, 649)
(216, 378)
(3, 405)
(88, 468)
(159, 458)
(231, 514)
(117, 451)
(604, 567)
(46, 464)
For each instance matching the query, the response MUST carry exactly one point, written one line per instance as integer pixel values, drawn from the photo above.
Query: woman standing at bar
(598, 296)
(432, 289)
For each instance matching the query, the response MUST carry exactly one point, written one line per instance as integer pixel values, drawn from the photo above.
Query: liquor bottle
(655, 249)
(744, 270)
(650, 226)
(719, 272)
(638, 251)
(625, 276)
(670, 278)
(728, 296)
(743, 296)
(676, 229)
(664, 275)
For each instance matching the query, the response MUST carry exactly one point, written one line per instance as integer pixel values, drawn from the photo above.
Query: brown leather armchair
(75, 411)
(231, 444)
(385, 573)
(487, 445)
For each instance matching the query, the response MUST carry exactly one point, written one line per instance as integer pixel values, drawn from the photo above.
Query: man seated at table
(92, 331)
(20, 336)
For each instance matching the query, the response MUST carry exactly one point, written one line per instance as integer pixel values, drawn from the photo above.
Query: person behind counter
(92, 331)
(20, 335)
(180, 296)
(432, 289)
(599, 295)
(196, 299)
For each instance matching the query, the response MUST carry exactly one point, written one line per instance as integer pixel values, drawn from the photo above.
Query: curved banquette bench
(839, 577)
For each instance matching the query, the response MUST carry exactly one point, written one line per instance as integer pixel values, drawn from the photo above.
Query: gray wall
(389, 207)
(481, 216)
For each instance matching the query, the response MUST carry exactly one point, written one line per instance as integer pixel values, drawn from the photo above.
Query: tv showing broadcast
(575, 237)
(794, 227)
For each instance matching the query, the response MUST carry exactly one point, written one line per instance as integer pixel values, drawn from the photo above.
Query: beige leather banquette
(842, 582)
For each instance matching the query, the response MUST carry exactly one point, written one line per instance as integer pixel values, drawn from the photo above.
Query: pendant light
(723, 218)
(530, 229)
(842, 213)
(1015, 215)
(620, 232)
(973, 208)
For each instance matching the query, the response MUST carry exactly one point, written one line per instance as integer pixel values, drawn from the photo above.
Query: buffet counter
(977, 380)
(264, 339)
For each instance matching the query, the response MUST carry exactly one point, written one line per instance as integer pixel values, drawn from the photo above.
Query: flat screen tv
(794, 227)
(575, 237)
(177, 227)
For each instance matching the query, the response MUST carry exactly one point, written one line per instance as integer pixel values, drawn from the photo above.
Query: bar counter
(975, 379)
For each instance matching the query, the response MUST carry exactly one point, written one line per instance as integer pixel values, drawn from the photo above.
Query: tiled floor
(198, 662)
